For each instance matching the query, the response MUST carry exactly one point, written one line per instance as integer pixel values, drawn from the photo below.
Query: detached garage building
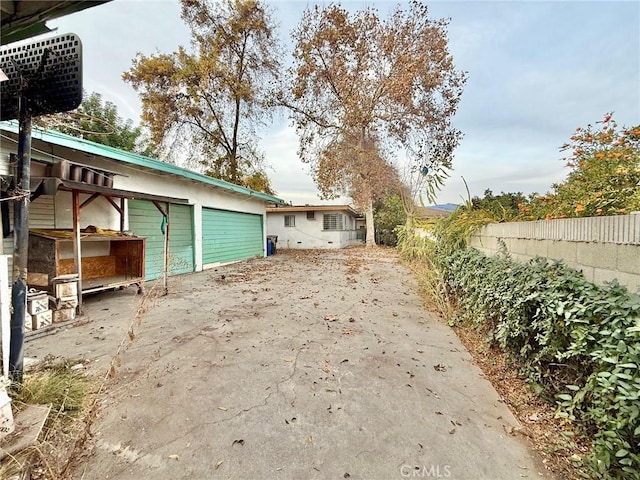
(204, 221)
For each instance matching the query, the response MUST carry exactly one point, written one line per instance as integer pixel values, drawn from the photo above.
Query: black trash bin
(274, 241)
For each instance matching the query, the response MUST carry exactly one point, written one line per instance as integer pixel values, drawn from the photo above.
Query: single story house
(314, 226)
(189, 221)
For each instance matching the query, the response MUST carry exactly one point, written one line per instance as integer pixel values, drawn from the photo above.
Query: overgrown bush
(420, 252)
(577, 342)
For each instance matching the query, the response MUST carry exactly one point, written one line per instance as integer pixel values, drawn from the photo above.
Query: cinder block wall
(603, 248)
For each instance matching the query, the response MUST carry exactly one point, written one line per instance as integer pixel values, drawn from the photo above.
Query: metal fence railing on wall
(620, 229)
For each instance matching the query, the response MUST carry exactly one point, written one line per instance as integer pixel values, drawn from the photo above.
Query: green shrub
(578, 342)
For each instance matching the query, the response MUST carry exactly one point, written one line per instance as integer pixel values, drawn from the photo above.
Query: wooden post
(165, 270)
(77, 248)
(166, 251)
(121, 214)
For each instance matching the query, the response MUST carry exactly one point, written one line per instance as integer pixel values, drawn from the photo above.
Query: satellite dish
(46, 72)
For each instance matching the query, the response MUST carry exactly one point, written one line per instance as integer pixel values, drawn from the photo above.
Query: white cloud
(290, 177)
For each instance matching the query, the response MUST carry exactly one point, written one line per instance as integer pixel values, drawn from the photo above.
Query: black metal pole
(22, 177)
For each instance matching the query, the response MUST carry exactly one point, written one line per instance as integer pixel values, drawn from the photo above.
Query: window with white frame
(289, 220)
(332, 221)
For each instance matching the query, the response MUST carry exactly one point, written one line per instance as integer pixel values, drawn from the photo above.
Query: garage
(146, 220)
(230, 236)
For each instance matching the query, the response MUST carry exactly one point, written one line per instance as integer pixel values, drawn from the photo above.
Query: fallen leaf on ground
(224, 409)
(331, 318)
(219, 463)
(512, 430)
(239, 442)
(440, 368)
(174, 457)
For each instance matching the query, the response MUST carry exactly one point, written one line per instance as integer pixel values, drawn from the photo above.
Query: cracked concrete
(304, 365)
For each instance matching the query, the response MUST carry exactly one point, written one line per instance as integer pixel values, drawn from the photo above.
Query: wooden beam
(166, 250)
(77, 249)
(114, 204)
(89, 200)
(162, 211)
(122, 220)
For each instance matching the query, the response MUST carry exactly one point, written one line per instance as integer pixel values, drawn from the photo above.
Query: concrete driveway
(304, 365)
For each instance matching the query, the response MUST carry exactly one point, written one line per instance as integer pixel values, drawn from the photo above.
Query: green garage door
(145, 220)
(181, 240)
(230, 236)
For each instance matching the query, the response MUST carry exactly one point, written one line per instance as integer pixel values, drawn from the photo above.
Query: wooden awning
(50, 185)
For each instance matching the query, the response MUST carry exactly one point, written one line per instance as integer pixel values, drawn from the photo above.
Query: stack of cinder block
(64, 300)
(38, 314)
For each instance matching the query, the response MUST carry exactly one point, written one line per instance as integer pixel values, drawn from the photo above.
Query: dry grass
(432, 289)
(65, 388)
(67, 437)
(56, 383)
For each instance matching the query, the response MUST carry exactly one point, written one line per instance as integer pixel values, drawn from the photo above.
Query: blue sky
(537, 70)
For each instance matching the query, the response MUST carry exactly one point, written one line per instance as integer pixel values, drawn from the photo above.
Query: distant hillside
(447, 207)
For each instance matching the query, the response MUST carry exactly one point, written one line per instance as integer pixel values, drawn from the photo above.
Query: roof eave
(112, 153)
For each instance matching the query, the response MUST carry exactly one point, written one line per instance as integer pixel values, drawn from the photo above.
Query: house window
(289, 220)
(311, 215)
(332, 221)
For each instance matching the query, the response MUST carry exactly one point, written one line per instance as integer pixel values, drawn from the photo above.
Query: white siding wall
(100, 212)
(309, 233)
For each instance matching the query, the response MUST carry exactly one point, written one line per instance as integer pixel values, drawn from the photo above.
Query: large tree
(604, 178)
(99, 121)
(366, 88)
(212, 100)
(352, 164)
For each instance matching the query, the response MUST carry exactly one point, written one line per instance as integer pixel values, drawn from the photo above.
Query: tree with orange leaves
(211, 102)
(604, 177)
(365, 89)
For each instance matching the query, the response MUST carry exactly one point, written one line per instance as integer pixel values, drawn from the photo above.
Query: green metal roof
(25, 18)
(68, 141)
